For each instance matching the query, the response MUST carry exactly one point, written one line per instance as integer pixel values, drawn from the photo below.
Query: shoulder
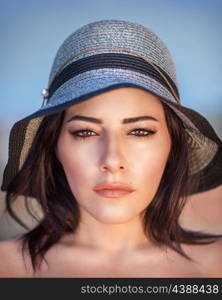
(208, 256)
(12, 263)
(214, 257)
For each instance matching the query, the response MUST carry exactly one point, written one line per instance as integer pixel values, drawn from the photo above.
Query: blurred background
(32, 31)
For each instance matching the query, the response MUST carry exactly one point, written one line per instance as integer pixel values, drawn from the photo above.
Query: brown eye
(142, 132)
(84, 133)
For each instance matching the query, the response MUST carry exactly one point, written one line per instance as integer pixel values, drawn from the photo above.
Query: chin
(113, 218)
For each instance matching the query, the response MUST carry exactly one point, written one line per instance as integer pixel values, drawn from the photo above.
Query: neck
(110, 238)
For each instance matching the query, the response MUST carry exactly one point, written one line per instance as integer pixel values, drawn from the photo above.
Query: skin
(203, 211)
(113, 152)
(110, 241)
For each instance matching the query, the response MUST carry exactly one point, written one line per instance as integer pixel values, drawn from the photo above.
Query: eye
(142, 132)
(86, 133)
(83, 133)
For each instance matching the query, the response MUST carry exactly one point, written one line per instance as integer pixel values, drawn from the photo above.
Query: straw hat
(105, 55)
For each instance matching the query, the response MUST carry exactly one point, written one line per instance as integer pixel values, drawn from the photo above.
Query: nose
(112, 156)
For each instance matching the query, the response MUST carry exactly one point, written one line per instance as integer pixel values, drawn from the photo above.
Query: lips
(112, 190)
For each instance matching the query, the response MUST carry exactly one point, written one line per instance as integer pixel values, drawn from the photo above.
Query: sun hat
(109, 54)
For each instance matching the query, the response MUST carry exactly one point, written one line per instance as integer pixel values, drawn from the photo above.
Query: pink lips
(112, 190)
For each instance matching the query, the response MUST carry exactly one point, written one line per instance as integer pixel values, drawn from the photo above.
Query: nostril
(106, 167)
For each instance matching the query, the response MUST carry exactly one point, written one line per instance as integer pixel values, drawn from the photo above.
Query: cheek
(151, 165)
(145, 164)
(77, 162)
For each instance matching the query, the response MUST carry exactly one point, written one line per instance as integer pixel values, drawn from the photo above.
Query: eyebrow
(99, 121)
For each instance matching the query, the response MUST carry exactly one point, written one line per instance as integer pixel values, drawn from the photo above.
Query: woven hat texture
(109, 54)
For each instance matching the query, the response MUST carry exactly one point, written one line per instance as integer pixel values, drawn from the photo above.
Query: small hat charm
(45, 94)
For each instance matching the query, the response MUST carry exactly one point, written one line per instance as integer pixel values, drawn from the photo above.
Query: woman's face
(114, 150)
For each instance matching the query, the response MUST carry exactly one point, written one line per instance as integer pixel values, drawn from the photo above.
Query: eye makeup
(88, 132)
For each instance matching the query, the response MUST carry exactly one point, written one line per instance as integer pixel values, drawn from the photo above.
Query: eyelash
(76, 136)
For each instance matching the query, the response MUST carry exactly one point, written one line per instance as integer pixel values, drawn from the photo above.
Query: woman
(111, 157)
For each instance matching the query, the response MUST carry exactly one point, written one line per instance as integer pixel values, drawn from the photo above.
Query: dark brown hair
(43, 178)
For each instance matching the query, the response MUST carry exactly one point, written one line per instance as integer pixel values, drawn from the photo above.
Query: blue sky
(31, 32)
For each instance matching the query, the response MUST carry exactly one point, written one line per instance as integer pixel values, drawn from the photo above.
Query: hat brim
(205, 146)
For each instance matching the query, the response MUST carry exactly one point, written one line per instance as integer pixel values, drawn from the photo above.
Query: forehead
(119, 102)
